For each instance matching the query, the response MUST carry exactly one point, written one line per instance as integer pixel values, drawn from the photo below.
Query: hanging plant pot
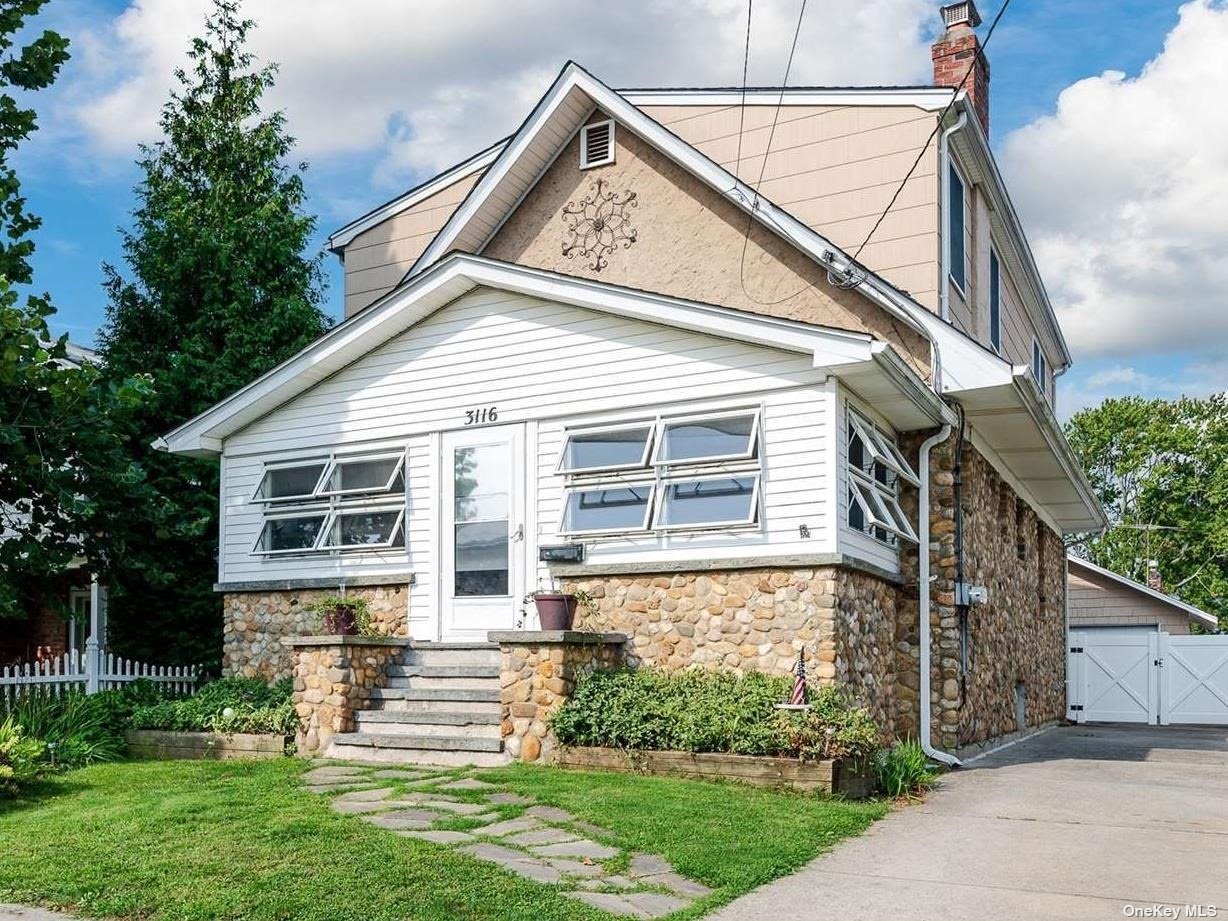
(555, 610)
(341, 620)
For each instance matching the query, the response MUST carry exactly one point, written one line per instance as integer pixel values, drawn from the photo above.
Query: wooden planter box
(152, 743)
(853, 779)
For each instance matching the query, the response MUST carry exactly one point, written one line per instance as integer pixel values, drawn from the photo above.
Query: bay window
(333, 503)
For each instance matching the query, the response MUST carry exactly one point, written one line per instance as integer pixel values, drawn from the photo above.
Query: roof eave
(1197, 613)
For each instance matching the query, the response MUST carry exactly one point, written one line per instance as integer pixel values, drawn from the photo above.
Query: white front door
(482, 531)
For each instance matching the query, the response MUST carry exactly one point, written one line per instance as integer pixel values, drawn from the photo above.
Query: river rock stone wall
(258, 626)
(1015, 645)
(333, 678)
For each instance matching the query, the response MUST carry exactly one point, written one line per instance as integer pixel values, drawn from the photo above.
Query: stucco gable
(688, 242)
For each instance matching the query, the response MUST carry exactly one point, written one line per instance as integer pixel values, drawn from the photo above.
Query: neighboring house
(1099, 598)
(593, 354)
(59, 621)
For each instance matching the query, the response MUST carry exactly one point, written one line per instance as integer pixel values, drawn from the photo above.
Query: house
(57, 621)
(1100, 599)
(602, 353)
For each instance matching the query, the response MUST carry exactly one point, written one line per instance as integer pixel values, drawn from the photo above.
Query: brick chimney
(1154, 582)
(956, 50)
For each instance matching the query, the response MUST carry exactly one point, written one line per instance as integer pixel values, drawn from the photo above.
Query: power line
(855, 273)
(980, 56)
(750, 218)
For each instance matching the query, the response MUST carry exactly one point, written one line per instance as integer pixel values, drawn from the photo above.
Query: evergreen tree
(218, 291)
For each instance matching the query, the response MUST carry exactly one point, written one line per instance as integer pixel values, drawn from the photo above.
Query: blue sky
(364, 146)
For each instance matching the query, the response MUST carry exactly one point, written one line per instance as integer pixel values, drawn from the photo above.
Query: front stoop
(441, 706)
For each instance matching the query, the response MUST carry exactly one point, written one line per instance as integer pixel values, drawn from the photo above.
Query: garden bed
(195, 746)
(852, 778)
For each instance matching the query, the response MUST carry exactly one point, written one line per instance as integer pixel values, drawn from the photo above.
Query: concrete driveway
(1080, 822)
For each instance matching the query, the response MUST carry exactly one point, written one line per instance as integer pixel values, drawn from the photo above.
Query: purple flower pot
(555, 611)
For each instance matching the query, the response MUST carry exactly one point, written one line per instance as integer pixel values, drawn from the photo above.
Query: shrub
(228, 705)
(833, 727)
(74, 729)
(704, 711)
(21, 757)
(903, 769)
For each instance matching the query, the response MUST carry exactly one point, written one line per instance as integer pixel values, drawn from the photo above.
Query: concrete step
(466, 654)
(471, 695)
(423, 756)
(424, 683)
(435, 705)
(434, 730)
(444, 671)
(451, 743)
(488, 717)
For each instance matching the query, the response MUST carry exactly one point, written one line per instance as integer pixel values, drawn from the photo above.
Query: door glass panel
(481, 479)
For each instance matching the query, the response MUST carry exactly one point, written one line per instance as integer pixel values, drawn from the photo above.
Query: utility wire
(980, 56)
(737, 164)
(852, 276)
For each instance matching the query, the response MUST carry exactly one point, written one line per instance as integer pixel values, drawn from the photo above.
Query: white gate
(1194, 679)
(1147, 677)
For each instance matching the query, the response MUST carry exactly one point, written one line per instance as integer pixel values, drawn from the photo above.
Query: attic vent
(597, 144)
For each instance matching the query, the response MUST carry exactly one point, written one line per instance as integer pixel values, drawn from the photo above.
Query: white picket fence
(72, 670)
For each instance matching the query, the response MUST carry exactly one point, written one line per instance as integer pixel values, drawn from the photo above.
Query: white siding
(533, 360)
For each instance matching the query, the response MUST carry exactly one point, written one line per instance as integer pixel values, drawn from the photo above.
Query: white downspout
(923, 576)
(944, 183)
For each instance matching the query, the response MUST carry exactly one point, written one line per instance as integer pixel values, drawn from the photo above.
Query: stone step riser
(435, 730)
(406, 756)
(444, 671)
(446, 655)
(438, 706)
(452, 742)
(424, 683)
(476, 695)
(491, 717)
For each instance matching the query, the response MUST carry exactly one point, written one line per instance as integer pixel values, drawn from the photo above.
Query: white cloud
(1197, 376)
(1123, 191)
(422, 85)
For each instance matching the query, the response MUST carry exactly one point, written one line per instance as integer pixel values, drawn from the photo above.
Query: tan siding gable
(1099, 602)
(689, 243)
(835, 168)
(378, 258)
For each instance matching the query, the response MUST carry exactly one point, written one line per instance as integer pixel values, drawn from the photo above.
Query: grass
(181, 841)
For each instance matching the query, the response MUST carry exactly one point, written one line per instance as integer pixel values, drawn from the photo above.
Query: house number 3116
(480, 416)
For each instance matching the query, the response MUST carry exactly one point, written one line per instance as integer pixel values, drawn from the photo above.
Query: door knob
(519, 535)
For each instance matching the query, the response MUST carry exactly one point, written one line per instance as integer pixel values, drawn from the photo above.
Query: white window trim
(963, 223)
(882, 448)
(751, 519)
(649, 508)
(752, 441)
(290, 465)
(361, 509)
(318, 512)
(342, 460)
(995, 328)
(649, 424)
(1040, 366)
(585, 162)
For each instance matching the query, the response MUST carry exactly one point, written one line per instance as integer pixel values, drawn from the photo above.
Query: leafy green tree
(1160, 468)
(67, 485)
(218, 291)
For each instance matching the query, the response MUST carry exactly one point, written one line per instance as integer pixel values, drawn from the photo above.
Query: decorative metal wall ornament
(598, 224)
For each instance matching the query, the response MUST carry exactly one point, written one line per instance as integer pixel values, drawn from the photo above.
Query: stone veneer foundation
(259, 626)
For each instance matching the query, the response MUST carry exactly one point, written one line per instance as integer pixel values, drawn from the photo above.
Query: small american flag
(798, 697)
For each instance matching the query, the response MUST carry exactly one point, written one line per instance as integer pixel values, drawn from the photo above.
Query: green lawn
(205, 840)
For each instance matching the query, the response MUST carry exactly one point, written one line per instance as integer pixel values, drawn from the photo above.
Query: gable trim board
(1193, 613)
(344, 236)
(930, 98)
(911, 404)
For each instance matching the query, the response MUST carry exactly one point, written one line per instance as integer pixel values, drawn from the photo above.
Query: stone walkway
(454, 809)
